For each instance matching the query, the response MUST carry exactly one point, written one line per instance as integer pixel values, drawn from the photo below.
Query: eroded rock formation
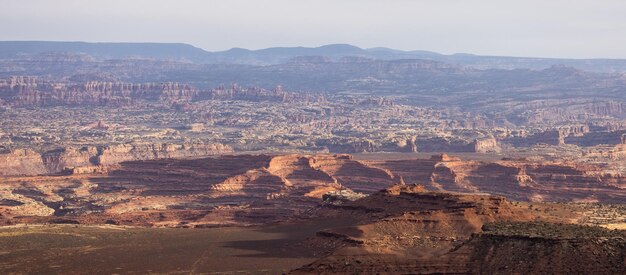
(29, 162)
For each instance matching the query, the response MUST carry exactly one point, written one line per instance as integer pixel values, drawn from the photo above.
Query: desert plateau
(255, 137)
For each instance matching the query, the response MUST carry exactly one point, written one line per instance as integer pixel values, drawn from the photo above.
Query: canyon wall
(21, 161)
(28, 162)
(31, 91)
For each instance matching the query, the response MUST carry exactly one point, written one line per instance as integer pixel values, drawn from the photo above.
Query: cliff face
(551, 137)
(21, 162)
(515, 179)
(28, 91)
(437, 144)
(577, 135)
(28, 162)
(486, 145)
(598, 138)
(58, 160)
(127, 152)
(611, 108)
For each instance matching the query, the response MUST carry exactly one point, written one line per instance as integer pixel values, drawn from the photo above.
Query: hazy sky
(547, 28)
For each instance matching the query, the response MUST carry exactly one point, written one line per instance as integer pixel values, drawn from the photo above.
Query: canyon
(261, 189)
(321, 160)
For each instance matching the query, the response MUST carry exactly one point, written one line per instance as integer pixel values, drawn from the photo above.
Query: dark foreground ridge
(503, 248)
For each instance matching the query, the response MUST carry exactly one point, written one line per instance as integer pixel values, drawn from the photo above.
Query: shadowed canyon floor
(261, 189)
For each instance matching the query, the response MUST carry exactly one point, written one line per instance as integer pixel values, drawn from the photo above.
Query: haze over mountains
(187, 53)
(363, 160)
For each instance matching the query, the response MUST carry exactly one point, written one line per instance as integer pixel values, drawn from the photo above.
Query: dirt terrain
(63, 249)
(403, 229)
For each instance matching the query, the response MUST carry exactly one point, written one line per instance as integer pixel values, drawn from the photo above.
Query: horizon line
(316, 47)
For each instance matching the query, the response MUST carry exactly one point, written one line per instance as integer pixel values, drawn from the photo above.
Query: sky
(539, 28)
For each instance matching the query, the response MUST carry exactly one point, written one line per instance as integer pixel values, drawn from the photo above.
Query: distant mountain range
(187, 53)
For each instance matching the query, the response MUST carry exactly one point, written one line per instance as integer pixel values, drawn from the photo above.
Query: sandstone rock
(28, 162)
(126, 152)
(22, 162)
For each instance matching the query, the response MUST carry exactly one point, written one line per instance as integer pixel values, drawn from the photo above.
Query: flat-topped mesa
(485, 145)
(444, 157)
(598, 138)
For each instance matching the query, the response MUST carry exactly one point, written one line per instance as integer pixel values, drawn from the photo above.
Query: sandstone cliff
(28, 162)
(21, 162)
(126, 152)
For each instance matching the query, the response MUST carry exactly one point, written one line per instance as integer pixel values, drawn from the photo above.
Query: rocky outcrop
(355, 175)
(486, 145)
(574, 130)
(402, 224)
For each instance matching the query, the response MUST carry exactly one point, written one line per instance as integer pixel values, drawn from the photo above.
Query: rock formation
(28, 162)
(21, 162)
